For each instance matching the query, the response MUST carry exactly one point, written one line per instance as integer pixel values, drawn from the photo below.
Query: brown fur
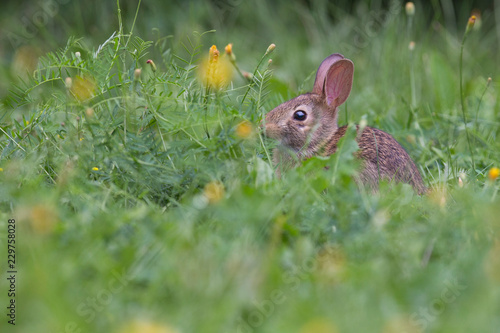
(384, 158)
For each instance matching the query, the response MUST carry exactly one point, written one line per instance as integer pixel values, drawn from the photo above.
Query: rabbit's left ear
(319, 83)
(338, 82)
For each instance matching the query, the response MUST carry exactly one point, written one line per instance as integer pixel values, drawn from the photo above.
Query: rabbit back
(383, 158)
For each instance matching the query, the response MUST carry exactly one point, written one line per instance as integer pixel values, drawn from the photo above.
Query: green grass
(150, 207)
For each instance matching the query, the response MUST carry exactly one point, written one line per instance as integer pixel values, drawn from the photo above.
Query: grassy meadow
(144, 194)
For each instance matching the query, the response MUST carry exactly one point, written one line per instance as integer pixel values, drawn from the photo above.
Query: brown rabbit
(307, 125)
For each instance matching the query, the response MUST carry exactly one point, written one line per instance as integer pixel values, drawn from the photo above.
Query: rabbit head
(306, 122)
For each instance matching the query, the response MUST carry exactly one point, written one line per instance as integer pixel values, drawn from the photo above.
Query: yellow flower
(244, 130)
(43, 219)
(493, 173)
(401, 323)
(81, 139)
(25, 61)
(318, 325)
(143, 326)
(82, 88)
(1, 169)
(215, 71)
(214, 191)
(95, 169)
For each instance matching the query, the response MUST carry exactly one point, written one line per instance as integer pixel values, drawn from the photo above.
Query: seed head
(270, 48)
(247, 75)
(410, 9)
(68, 82)
(137, 74)
(470, 24)
(152, 64)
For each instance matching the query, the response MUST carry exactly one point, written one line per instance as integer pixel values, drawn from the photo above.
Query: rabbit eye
(300, 115)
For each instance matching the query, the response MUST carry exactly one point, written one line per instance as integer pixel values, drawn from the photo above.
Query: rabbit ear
(319, 83)
(338, 82)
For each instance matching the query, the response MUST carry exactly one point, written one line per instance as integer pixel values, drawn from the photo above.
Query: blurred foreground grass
(146, 202)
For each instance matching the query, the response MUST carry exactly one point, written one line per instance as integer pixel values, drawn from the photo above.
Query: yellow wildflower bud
(229, 49)
(95, 169)
(1, 169)
(477, 14)
(470, 24)
(230, 53)
(493, 173)
(410, 9)
(318, 325)
(145, 326)
(137, 74)
(152, 64)
(43, 218)
(214, 192)
(244, 130)
(270, 48)
(247, 75)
